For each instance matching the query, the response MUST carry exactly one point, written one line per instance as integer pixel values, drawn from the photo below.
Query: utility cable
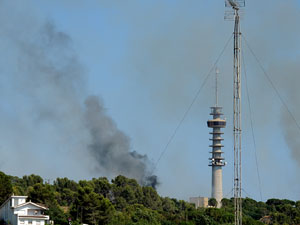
(190, 106)
(251, 123)
(246, 193)
(228, 193)
(272, 84)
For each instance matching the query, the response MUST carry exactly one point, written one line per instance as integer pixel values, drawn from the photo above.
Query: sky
(96, 88)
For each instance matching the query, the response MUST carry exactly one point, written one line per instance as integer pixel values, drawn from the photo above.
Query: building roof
(31, 203)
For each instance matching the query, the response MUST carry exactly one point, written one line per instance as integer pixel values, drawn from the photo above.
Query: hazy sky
(142, 61)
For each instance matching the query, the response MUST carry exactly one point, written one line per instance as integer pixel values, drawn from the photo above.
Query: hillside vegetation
(124, 202)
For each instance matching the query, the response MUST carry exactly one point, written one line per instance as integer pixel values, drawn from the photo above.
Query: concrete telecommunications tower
(216, 160)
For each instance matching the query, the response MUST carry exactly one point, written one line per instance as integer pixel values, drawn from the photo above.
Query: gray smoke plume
(287, 73)
(282, 65)
(291, 134)
(110, 146)
(169, 48)
(51, 80)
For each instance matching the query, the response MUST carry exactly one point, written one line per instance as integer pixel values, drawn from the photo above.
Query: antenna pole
(235, 6)
(217, 73)
(237, 131)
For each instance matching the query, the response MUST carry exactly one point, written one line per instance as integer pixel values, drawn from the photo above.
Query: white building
(16, 211)
(199, 202)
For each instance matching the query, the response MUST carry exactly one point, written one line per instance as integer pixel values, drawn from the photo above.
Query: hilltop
(124, 201)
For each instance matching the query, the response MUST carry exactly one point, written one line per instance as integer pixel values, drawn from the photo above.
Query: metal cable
(252, 129)
(246, 193)
(190, 106)
(228, 193)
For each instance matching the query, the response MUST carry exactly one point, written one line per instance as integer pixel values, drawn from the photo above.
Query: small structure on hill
(201, 202)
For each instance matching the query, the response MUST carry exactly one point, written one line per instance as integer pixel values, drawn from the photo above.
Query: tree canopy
(124, 201)
(5, 187)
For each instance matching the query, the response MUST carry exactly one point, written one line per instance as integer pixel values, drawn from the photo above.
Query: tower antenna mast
(235, 6)
(217, 73)
(217, 161)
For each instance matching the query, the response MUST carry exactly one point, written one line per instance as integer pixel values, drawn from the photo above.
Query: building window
(29, 221)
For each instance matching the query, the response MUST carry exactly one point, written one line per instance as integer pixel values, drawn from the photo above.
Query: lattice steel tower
(216, 160)
(235, 5)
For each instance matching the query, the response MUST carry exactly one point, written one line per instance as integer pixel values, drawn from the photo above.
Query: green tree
(19, 187)
(66, 197)
(297, 204)
(42, 193)
(57, 215)
(102, 210)
(168, 205)
(65, 191)
(5, 187)
(151, 199)
(120, 218)
(254, 209)
(101, 186)
(227, 203)
(91, 208)
(142, 215)
(124, 201)
(280, 218)
(61, 184)
(212, 202)
(250, 221)
(199, 217)
(126, 192)
(32, 180)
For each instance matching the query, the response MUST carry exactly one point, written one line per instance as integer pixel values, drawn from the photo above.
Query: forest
(122, 201)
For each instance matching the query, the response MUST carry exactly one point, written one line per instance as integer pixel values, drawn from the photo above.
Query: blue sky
(146, 60)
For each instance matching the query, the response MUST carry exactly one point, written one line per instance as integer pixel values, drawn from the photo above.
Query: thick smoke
(169, 47)
(291, 134)
(52, 80)
(110, 146)
(287, 73)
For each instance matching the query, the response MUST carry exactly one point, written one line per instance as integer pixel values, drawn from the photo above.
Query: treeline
(124, 202)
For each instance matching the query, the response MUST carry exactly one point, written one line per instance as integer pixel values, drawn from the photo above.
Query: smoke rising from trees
(110, 146)
(51, 80)
(169, 47)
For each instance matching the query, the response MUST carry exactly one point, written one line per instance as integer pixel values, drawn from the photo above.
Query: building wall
(31, 222)
(17, 200)
(14, 219)
(6, 213)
